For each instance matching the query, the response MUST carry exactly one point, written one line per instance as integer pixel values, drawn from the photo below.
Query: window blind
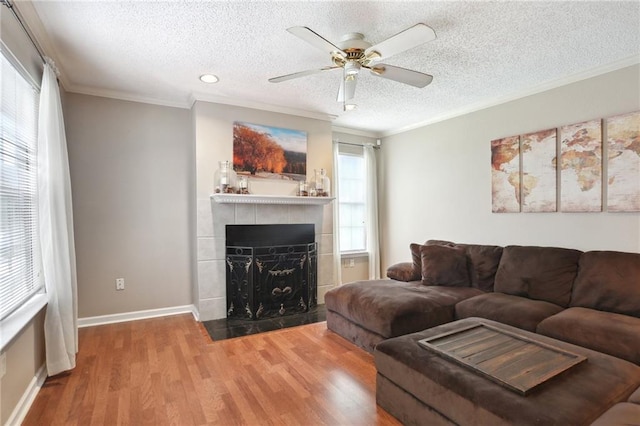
(19, 250)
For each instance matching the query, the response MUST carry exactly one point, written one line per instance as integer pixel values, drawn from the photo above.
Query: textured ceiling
(485, 51)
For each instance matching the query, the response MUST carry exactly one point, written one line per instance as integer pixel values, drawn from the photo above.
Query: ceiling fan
(354, 53)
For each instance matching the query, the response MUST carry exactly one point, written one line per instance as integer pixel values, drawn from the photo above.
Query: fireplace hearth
(271, 270)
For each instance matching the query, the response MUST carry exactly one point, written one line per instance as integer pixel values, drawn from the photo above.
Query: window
(19, 250)
(352, 202)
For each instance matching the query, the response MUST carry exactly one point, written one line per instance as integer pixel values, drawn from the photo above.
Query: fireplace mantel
(269, 199)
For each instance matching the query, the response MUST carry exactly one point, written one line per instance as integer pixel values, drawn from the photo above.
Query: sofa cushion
(445, 266)
(416, 258)
(608, 281)
(512, 310)
(403, 272)
(540, 273)
(635, 397)
(483, 262)
(623, 413)
(606, 332)
(392, 308)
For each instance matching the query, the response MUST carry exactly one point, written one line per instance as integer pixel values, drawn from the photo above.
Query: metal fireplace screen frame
(268, 282)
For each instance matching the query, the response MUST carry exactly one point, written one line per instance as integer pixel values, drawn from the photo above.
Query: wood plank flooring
(167, 371)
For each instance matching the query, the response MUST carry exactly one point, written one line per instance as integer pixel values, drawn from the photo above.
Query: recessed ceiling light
(208, 78)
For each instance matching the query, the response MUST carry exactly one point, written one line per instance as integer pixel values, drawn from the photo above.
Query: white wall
(213, 125)
(132, 184)
(437, 179)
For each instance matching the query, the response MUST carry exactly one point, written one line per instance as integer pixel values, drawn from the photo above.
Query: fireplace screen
(271, 270)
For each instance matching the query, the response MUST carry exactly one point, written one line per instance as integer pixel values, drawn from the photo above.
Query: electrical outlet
(3, 364)
(119, 283)
(348, 263)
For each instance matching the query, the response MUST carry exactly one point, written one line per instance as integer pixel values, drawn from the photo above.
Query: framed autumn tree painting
(269, 152)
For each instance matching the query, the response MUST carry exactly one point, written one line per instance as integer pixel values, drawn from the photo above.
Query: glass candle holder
(225, 178)
(243, 185)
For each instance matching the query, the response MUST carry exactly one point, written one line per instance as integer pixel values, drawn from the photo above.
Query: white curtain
(337, 266)
(372, 212)
(56, 230)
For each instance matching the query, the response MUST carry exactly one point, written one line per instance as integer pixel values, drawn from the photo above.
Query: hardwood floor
(168, 371)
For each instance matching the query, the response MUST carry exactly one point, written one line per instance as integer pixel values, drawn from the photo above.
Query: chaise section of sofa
(531, 284)
(367, 312)
(419, 294)
(604, 311)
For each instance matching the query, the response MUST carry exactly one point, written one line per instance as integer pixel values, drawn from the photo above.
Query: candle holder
(243, 185)
(225, 178)
(322, 183)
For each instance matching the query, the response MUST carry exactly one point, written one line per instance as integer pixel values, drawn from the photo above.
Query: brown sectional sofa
(590, 299)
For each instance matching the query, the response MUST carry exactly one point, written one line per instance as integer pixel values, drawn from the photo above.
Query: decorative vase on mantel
(225, 178)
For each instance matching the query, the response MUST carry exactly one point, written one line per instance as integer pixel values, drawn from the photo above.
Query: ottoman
(418, 386)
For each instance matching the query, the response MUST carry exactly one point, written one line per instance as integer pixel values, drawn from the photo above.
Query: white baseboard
(137, 315)
(29, 395)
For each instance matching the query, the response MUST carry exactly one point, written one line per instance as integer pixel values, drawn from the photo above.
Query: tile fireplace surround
(214, 213)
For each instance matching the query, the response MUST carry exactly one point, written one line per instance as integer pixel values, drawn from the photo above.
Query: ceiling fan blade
(405, 40)
(300, 74)
(316, 40)
(402, 75)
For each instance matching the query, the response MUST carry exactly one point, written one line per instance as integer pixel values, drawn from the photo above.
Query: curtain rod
(358, 144)
(26, 31)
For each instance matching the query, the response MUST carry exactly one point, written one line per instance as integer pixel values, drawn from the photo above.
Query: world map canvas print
(505, 175)
(539, 180)
(581, 163)
(623, 177)
(570, 166)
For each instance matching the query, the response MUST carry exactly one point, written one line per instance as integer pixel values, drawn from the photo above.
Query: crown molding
(203, 97)
(124, 96)
(355, 132)
(594, 72)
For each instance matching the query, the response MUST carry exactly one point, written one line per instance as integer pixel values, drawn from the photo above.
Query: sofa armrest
(403, 272)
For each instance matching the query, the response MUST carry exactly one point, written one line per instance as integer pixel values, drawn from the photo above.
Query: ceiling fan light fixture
(351, 68)
(209, 78)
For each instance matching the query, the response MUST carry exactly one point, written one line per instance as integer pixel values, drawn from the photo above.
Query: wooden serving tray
(516, 362)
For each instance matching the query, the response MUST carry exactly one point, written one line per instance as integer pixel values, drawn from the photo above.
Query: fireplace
(271, 270)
